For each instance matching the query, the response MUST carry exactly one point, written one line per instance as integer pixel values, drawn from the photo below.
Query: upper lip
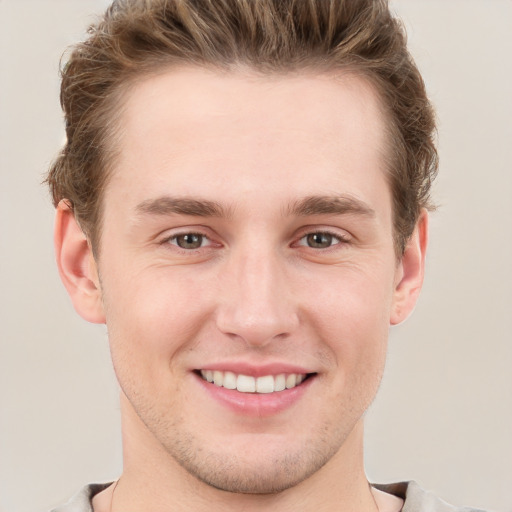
(253, 370)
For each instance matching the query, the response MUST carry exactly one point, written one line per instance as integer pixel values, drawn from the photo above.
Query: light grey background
(444, 414)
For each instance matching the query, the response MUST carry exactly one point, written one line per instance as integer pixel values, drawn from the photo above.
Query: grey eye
(189, 241)
(320, 240)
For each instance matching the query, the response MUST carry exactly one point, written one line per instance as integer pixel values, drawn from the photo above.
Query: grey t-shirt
(415, 499)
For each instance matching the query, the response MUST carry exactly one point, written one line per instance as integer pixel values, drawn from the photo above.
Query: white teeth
(280, 382)
(218, 378)
(246, 384)
(229, 380)
(291, 381)
(249, 384)
(265, 384)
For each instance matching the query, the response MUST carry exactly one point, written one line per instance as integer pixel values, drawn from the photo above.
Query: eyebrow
(307, 206)
(330, 205)
(167, 205)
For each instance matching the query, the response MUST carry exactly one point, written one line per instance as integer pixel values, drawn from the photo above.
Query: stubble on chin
(267, 470)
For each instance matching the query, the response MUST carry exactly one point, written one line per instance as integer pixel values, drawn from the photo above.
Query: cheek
(356, 301)
(352, 318)
(151, 319)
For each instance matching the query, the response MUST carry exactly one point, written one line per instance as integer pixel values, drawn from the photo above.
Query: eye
(320, 240)
(189, 241)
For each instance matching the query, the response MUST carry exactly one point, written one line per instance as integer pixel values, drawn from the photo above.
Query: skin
(245, 151)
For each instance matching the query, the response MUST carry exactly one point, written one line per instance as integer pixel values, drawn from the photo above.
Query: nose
(257, 303)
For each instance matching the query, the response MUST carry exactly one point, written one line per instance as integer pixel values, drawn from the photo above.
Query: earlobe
(77, 267)
(410, 272)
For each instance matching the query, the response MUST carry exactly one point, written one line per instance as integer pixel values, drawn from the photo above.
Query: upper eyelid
(340, 238)
(195, 233)
(206, 242)
(170, 243)
(190, 232)
(172, 240)
(339, 233)
(167, 235)
(336, 232)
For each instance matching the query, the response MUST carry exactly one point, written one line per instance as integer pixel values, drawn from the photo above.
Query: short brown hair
(139, 37)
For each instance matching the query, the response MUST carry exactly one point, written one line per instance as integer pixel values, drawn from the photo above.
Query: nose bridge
(258, 305)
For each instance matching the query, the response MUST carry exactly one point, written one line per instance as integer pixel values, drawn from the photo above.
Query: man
(242, 199)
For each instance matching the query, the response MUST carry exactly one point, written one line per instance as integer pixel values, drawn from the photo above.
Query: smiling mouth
(249, 384)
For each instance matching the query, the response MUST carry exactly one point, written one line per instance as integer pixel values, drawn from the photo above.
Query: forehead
(189, 127)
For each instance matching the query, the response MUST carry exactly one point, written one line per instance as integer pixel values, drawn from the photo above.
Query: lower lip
(256, 404)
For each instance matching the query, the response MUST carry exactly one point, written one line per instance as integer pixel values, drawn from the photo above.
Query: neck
(153, 481)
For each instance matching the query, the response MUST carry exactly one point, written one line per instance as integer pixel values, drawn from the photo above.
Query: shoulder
(417, 499)
(82, 500)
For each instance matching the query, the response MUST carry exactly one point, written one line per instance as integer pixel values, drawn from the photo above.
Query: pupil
(319, 240)
(190, 241)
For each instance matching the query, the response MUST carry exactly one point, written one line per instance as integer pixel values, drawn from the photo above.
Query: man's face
(247, 236)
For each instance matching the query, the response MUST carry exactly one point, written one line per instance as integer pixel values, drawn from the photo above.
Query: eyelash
(172, 240)
(337, 238)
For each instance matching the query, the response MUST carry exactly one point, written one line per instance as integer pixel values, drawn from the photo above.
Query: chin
(237, 477)
(253, 470)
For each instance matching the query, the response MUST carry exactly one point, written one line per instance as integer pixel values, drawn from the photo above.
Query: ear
(77, 267)
(410, 272)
